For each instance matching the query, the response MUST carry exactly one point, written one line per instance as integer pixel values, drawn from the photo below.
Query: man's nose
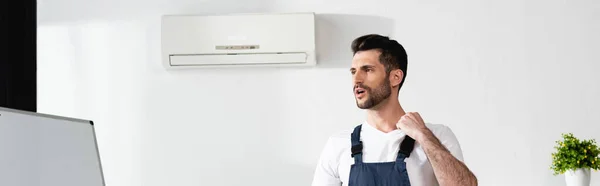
(357, 78)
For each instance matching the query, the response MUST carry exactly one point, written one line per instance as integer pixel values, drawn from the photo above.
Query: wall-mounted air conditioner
(278, 39)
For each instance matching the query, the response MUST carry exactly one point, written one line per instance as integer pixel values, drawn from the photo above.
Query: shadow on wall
(335, 32)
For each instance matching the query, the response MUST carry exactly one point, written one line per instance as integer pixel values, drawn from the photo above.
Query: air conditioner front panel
(203, 34)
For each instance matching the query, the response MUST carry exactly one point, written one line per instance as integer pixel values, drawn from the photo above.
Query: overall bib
(381, 173)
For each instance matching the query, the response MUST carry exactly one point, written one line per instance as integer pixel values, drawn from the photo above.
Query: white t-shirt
(333, 167)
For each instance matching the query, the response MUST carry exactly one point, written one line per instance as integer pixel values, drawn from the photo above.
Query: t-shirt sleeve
(326, 173)
(449, 140)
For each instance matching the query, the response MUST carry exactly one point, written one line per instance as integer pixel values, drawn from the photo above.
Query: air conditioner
(277, 39)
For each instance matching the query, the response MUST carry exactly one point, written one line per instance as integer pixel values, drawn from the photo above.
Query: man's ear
(396, 77)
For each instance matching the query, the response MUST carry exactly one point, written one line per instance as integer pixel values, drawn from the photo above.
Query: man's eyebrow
(367, 66)
(363, 67)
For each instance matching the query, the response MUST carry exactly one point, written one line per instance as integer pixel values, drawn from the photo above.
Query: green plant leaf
(573, 153)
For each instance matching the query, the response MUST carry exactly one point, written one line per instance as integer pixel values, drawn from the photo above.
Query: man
(393, 147)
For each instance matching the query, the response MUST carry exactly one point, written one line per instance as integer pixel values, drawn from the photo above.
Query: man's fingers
(418, 116)
(409, 116)
(403, 121)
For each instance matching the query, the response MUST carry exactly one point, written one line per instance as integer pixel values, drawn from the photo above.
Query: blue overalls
(381, 173)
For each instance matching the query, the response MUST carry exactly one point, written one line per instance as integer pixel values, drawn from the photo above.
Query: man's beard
(376, 96)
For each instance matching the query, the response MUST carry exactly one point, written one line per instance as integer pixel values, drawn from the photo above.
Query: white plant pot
(578, 177)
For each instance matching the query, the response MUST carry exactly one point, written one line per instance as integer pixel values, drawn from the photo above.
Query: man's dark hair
(393, 56)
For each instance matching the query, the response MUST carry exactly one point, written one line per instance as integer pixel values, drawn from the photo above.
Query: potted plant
(575, 158)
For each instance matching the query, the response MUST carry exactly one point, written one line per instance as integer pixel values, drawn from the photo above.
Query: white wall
(507, 76)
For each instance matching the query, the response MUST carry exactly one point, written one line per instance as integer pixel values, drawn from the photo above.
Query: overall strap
(356, 145)
(406, 147)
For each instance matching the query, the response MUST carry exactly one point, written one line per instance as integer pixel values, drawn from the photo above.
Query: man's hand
(413, 125)
(448, 170)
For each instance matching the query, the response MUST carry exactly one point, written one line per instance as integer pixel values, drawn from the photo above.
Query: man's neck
(386, 115)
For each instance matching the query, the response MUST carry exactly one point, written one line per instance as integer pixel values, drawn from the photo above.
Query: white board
(45, 150)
